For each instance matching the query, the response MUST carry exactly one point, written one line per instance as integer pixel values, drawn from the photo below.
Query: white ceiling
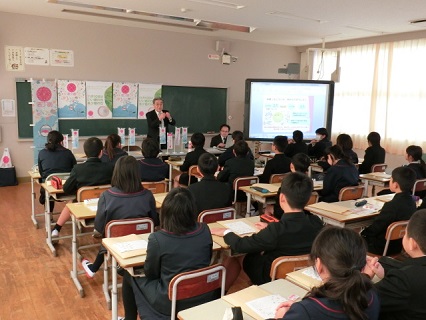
(298, 22)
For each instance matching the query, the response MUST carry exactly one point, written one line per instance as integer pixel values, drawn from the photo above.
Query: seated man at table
(210, 193)
(280, 163)
(92, 172)
(401, 207)
(292, 235)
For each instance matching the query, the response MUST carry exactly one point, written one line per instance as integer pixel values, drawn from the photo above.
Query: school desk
(305, 278)
(346, 214)
(379, 179)
(34, 176)
(59, 194)
(173, 164)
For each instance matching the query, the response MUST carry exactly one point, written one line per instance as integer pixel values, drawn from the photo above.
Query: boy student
(229, 152)
(210, 193)
(280, 163)
(292, 235)
(92, 172)
(401, 207)
(316, 148)
(220, 139)
(401, 290)
(296, 145)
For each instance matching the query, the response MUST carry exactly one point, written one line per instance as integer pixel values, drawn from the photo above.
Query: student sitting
(152, 168)
(317, 147)
(344, 141)
(292, 235)
(191, 159)
(112, 150)
(342, 173)
(296, 145)
(229, 152)
(401, 207)
(210, 193)
(124, 200)
(93, 172)
(402, 286)
(338, 255)
(180, 245)
(54, 158)
(280, 163)
(374, 154)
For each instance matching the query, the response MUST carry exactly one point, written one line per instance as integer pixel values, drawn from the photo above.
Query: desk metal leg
(365, 194)
(248, 205)
(74, 272)
(33, 195)
(114, 307)
(47, 224)
(170, 177)
(105, 285)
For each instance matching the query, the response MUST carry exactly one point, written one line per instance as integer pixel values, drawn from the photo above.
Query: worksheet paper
(239, 227)
(130, 245)
(266, 306)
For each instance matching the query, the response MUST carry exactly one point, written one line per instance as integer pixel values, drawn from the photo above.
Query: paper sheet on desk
(335, 208)
(266, 306)
(239, 227)
(92, 204)
(381, 175)
(129, 246)
(267, 186)
(310, 272)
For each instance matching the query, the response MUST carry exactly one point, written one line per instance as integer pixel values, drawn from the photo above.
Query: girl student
(112, 149)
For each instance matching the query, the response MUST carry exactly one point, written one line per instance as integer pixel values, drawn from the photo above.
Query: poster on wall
(147, 92)
(36, 56)
(71, 99)
(45, 112)
(99, 99)
(125, 100)
(61, 58)
(14, 58)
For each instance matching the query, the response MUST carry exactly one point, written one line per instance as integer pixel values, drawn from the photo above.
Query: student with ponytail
(339, 256)
(112, 149)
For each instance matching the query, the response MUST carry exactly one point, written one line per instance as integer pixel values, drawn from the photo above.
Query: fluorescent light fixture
(365, 29)
(219, 3)
(287, 15)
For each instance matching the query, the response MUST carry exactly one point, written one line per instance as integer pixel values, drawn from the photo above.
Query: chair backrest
(193, 172)
(395, 230)
(380, 167)
(213, 215)
(242, 182)
(351, 193)
(419, 185)
(131, 148)
(314, 198)
(156, 187)
(91, 192)
(124, 227)
(277, 177)
(283, 265)
(195, 283)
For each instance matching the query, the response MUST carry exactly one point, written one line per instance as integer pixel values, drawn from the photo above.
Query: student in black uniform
(374, 154)
(317, 147)
(296, 145)
(280, 163)
(229, 152)
(151, 167)
(112, 150)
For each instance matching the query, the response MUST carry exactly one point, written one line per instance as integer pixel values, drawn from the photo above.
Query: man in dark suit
(92, 172)
(220, 140)
(210, 193)
(292, 235)
(280, 163)
(158, 118)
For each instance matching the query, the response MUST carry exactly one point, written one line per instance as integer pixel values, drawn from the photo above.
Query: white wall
(106, 52)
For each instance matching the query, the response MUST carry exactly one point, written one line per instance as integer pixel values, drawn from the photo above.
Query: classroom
(114, 52)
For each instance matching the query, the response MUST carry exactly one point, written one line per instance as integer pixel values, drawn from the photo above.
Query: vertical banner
(162, 135)
(132, 136)
(125, 100)
(99, 99)
(147, 92)
(184, 135)
(45, 112)
(122, 133)
(74, 138)
(177, 142)
(71, 99)
(65, 142)
(169, 142)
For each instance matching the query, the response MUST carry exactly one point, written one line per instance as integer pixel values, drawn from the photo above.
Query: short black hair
(416, 228)
(374, 138)
(297, 136)
(198, 139)
(150, 148)
(405, 177)
(322, 131)
(237, 135)
(280, 142)
(241, 149)
(207, 164)
(301, 162)
(225, 125)
(297, 188)
(92, 147)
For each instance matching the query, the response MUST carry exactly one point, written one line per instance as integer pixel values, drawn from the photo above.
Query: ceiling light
(219, 3)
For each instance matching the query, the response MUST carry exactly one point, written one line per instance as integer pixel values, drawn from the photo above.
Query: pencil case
(56, 182)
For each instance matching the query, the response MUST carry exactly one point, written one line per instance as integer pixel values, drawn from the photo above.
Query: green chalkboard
(201, 109)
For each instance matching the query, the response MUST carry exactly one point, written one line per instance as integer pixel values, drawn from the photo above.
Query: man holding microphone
(158, 118)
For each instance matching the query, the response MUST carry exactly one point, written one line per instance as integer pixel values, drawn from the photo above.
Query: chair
(314, 198)
(119, 228)
(213, 215)
(156, 187)
(351, 193)
(131, 148)
(193, 172)
(277, 177)
(283, 265)
(380, 167)
(419, 186)
(90, 192)
(241, 182)
(395, 231)
(195, 283)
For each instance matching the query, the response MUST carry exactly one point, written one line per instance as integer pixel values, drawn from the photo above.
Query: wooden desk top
(174, 163)
(48, 187)
(81, 211)
(34, 174)
(376, 176)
